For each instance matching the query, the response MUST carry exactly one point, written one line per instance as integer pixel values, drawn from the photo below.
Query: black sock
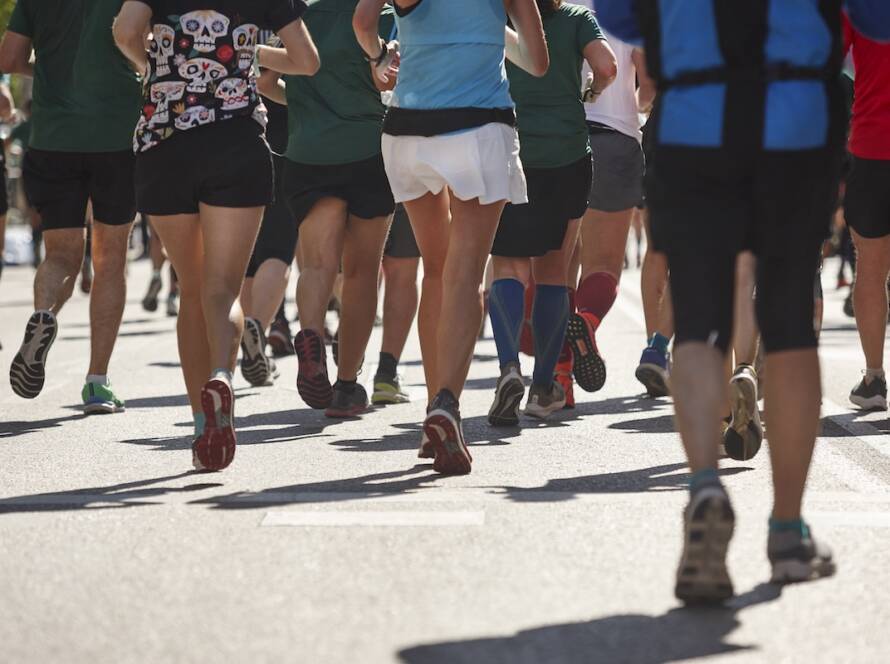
(347, 386)
(387, 366)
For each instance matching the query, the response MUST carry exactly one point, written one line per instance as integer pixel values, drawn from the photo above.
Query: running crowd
(509, 145)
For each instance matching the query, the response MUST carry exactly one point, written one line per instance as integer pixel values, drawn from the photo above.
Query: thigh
(604, 240)
(57, 185)
(323, 233)
(430, 219)
(473, 226)
(184, 242)
(363, 245)
(111, 185)
(229, 236)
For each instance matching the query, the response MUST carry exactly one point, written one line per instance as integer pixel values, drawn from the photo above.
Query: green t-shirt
(336, 116)
(549, 112)
(21, 133)
(86, 96)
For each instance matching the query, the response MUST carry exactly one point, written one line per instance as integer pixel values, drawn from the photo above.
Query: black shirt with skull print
(202, 59)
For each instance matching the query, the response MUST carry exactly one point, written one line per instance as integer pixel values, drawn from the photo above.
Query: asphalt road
(331, 542)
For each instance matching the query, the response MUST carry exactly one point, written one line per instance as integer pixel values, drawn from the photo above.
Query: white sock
(98, 379)
(871, 374)
(221, 374)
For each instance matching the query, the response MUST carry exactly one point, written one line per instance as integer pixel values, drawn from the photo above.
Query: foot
(744, 435)
(100, 400)
(388, 391)
(504, 412)
(255, 366)
(798, 557)
(848, 305)
(28, 371)
(214, 449)
(312, 377)
(172, 306)
(654, 372)
(280, 338)
(870, 394)
(590, 369)
(346, 402)
(442, 427)
(150, 301)
(544, 401)
(564, 378)
(426, 451)
(708, 525)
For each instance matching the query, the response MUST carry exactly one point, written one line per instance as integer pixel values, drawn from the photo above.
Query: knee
(785, 308)
(68, 258)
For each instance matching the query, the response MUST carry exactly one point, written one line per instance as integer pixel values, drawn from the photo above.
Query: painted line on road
(847, 419)
(397, 519)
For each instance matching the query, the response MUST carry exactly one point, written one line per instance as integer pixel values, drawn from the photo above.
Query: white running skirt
(480, 163)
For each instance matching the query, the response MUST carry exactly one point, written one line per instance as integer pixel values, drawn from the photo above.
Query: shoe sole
(255, 366)
(744, 436)
(386, 399)
(214, 449)
(544, 412)
(27, 374)
(589, 369)
(504, 412)
(876, 402)
(104, 408)
(703, 577)
(315, 388)
(798, 571)
(653, 379)
(345, 413)
(150, 301)
(452, 456)
(426, 450)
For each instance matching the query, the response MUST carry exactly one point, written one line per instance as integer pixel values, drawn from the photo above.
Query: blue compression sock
(660, 343)
(506, 307)
(793, 525)
(550, 316)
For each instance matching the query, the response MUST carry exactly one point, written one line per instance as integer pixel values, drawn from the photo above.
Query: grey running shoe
(708, 526)
(504, 412)
(348, 401)
(28, 371)
(544, 401)
(255, 366)
(150, 301)
(744, 435)
(798, 557)
(172, 305)
(870, 394)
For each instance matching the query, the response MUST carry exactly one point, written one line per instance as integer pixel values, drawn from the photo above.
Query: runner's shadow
(681, 634)
(660, 424)
(129, 494)
(125, 333)
(833, 426)
(20, 428)
(622, 406)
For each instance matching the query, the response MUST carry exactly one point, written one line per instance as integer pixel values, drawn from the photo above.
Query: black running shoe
(280, 338)
(255, 366)
(744, 435)
(870, 394)
(708, 526)
(589, 367)
(442, 429)
(28, 371)
(313, 383)
(150, 301)
(798, 557)
(848, 305)
(349, 400)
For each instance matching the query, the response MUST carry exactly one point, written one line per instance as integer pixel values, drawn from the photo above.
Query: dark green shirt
(336, 116)
(21, 133)
(549, 112)
(86, 96)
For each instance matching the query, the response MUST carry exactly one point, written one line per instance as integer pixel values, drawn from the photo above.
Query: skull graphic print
(205, 27)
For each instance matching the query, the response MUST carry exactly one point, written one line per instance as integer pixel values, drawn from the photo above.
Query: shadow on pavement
(20, 428)
(116, 496)
(660, 424)
(680, 634)
(125, 333)
(832, 427)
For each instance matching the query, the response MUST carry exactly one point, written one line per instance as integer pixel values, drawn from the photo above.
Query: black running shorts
(363, 185)
(556, 196)
(60, 184)
(226, 164)
(278, 233)
(867, 200)
(401, 242)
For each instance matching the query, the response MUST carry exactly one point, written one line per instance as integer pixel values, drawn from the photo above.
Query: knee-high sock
(550, 317)
(506, 303)
(597, 294)
(565, 354)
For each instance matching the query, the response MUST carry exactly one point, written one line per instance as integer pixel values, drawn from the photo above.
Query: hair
(547, 7)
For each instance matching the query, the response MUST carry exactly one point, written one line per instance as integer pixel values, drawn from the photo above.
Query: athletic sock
(871, 374)
(550, 316)
(347, 386)
(98, 379)
(387, 366)
(155, 274)
(200, 421)
(597, 294)
(506, 309)
(703, 478)
(790, 525)
(659, 342)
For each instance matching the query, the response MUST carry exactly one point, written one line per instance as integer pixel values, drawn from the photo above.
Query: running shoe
(798, 557)
(388, 391)
(346, 402)
(150, 301)
(100, 400)
(214, 449)
(28, 371)
(590, 369)
(443, 428)
(172, 305)
(564, 378)
(870, 394)
(255, 366)
(504, 412)
(709, 522)
(427, 451)
(654, 372)
(312, 377)
(848, 305)
(744, 435)
(544, 401)
(280, 338)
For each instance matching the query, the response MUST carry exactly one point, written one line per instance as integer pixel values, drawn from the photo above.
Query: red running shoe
(313, 383)
(590, 368)
(564, 378)
(443, 429)
(215, 448)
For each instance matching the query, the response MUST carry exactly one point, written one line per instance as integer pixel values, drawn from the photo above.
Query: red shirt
(870, 131)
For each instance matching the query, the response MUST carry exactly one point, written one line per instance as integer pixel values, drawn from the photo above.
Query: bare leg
(400, 300)
(746, 330)
(604, 241)
(267, 291)
(870, 296)
(57, 274)
(109, 293)
(322, 234)
(657, 308)
(699, 388)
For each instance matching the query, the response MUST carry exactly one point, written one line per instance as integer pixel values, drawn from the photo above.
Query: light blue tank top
(453, 56)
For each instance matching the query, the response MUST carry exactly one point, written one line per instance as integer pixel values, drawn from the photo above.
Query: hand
(588, 94)
(389, 65)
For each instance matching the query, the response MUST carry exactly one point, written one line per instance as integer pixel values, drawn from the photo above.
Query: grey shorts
(618, 169)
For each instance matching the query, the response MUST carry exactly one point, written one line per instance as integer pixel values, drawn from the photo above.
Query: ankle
(700, 479)
(789, 526)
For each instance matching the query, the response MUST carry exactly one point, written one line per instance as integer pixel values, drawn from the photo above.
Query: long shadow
(129, 494)
(125, 333)
(667, 477)
(660, 424)
(681, 634)
(20, 428)
(622, 406)
(124, 322)
(832, 427)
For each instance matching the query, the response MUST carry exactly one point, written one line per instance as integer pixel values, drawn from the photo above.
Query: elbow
(607, 71)
(541, 66)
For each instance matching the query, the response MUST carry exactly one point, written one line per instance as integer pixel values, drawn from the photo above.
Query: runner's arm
(299, 57)
(526, 45)
(603, 64)
(647, 90)
(366, 24)
(15, 54)
(130, 29)
(272, 87)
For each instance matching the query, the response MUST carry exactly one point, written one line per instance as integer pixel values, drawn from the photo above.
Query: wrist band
(384, 51)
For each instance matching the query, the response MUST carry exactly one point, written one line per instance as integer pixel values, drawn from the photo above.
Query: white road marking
(375, 519)
(847, 419)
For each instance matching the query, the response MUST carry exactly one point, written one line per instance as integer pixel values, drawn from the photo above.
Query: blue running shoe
(654, 372)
